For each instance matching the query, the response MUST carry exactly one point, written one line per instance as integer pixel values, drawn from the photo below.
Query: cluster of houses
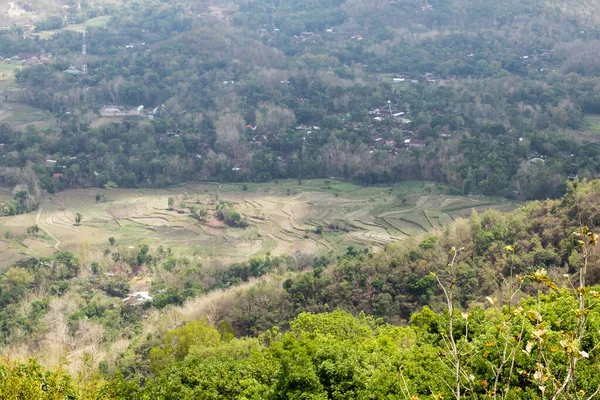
(396, 118)
(270, 137)
(388, 113)
(306, 37)
(30, 59)
(393, 147)
(265, 30)
(539, 61)
(54, 164)
(258, 139)
(309, 37)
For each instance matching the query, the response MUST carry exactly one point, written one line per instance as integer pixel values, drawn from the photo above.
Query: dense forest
(317, 89)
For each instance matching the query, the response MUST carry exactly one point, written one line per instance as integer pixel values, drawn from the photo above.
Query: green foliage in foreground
(340, 356)
(525, 349)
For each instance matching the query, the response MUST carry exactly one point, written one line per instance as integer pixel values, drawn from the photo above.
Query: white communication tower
(84, 68)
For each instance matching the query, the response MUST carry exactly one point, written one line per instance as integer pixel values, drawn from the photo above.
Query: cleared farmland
(282, 217)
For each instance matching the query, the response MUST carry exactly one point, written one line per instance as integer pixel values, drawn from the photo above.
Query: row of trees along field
(494, 306)
(500, 98)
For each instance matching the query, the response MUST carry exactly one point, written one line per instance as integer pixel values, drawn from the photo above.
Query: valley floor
(283, 219)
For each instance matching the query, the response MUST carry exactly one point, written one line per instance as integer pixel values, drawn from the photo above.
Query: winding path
(38, 223)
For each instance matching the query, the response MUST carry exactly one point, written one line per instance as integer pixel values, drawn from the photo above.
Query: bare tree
(272, 118)
(229, 128)
(115, 88)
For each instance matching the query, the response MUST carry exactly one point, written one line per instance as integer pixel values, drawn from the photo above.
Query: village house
(385, 112)
(25, 56)
(135, 44)
(536, 160)
(415, 143)
(137, 298)
(306, 37)
(260, 139)
(110, 111)
(73, 71)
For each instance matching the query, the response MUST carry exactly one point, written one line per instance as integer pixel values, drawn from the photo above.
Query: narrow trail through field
(38, 223)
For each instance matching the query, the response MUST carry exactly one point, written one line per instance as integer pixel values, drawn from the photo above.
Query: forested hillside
(497, 97)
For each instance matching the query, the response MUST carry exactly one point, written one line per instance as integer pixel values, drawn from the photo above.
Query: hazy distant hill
(28, 12)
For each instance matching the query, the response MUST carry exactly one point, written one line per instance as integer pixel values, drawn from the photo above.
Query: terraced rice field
(19, 116)
(282, 219)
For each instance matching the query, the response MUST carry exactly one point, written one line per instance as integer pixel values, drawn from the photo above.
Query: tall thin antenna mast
(228, 60)
(84, 67)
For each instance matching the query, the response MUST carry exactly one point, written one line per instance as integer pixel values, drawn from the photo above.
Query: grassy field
(590, 131)
(282, 218)
(7, 69)
(19, 116)
(8, 84)
(93, 22)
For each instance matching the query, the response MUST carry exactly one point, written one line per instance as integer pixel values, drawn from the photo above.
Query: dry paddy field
(282, 218)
